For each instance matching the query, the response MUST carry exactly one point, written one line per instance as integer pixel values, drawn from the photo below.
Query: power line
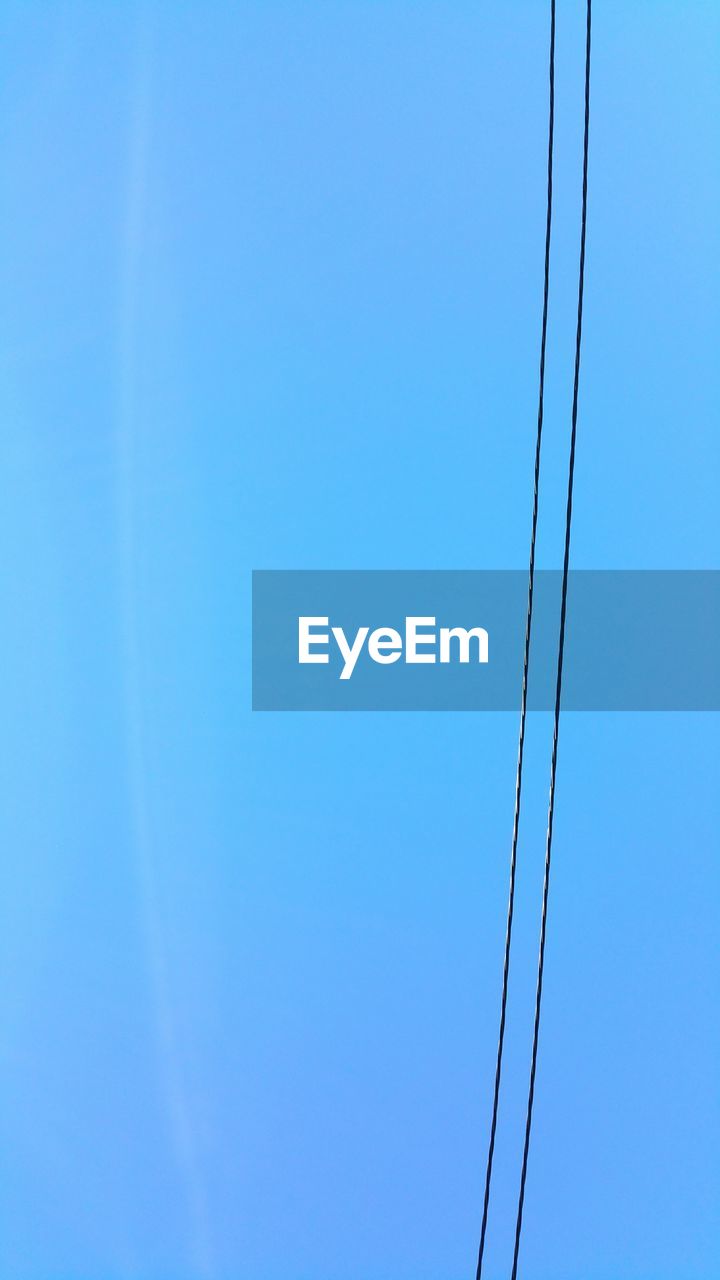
(526, 657)
(561, 648)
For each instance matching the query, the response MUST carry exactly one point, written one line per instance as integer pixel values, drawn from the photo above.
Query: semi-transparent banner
(452, 640)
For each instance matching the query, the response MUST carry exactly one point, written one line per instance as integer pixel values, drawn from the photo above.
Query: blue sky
(271, 283)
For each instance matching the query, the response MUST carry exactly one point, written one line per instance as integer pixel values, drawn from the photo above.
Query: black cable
(526, 658)
(561, 647)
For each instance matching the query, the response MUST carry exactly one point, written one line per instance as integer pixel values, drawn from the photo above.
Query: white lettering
(413, 638)
(306, 639)
(464, 637)
(350, 653)
(385, 645)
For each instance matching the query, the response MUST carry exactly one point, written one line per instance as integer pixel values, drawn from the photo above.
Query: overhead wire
(526, 662)
(561, 650)
(526, 654)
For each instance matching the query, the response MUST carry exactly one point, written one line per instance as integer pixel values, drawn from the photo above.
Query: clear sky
(270, 289)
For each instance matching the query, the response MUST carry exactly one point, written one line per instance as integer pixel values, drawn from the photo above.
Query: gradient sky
(270, 289)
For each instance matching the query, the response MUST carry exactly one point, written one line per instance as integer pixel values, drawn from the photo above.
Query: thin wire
(526, 657)
(561, 648)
